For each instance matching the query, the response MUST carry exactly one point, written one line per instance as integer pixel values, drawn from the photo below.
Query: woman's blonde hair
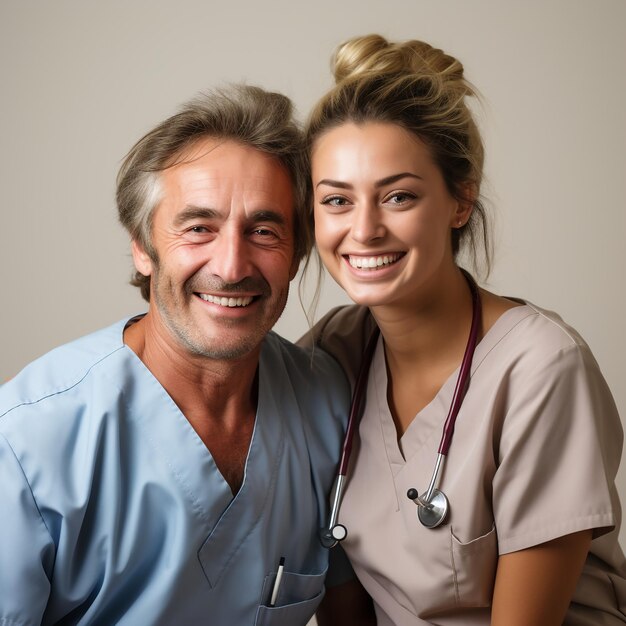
(422, 89)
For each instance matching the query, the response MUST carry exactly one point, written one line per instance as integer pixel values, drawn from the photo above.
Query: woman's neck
(423, 330)
(424, 344)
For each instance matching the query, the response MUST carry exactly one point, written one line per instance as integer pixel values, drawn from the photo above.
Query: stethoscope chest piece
(435, 513)
(432, 510)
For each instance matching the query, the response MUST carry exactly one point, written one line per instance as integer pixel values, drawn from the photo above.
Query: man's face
(224, 242)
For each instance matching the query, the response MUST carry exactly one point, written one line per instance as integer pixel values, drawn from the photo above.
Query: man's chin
(221, 347)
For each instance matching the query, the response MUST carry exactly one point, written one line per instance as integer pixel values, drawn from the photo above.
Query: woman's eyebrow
(388, 180)
(333, 183)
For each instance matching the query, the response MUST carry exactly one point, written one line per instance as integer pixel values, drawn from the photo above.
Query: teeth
(230, 302)
(372, 262)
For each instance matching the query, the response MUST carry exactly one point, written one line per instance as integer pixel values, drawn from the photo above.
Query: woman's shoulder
(529, 343)
(541, 330)
(343, 332)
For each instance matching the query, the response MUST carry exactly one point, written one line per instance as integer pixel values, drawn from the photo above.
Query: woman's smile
(373, 262)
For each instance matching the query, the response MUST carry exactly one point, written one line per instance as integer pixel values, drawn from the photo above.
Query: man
(163, 470)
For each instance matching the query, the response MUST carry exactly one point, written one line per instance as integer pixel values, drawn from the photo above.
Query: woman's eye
(334, 201)
(400, 197)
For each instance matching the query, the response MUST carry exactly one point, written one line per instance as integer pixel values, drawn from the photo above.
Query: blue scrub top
(114, 511)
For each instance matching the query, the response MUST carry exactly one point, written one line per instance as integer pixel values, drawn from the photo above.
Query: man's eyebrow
(193, 213)
(388, 180)
(265, 215)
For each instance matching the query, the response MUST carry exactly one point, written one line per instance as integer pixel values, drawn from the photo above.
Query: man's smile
(239, 301)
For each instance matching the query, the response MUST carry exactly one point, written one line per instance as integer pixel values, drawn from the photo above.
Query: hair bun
(373, 54)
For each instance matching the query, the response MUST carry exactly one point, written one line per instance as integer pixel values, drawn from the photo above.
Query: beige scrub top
(535, 451)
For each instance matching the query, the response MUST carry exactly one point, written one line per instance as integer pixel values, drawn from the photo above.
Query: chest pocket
(298, 597)
(474, 569)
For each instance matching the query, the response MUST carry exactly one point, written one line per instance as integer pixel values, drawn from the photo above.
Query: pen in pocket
(279, 578)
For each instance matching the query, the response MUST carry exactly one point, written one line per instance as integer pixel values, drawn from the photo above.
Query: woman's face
(383, 213)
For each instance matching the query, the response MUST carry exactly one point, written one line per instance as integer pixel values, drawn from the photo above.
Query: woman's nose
(367, 225)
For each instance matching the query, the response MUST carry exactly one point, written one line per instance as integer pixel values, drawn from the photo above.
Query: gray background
(81, 81)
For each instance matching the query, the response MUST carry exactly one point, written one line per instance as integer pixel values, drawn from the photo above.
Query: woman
(531, 533)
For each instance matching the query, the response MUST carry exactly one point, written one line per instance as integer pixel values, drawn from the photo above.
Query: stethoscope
(433, 507)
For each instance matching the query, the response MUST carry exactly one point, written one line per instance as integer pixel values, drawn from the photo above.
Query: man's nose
(230, 256)
(366, 224)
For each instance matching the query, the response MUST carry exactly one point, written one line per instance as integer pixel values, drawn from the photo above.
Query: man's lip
(373, 261)
(227, 300)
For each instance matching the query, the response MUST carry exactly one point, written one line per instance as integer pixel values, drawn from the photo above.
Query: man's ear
(141, 259)
(293, 270)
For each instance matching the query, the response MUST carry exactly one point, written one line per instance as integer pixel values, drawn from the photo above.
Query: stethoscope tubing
(462, 382)
(356, 406)
(433, 506)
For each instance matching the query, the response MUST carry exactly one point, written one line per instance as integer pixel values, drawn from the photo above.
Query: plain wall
(82, 81)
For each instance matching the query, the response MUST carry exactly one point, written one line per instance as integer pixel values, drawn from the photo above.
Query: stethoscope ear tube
(358, 403)
(334, 532)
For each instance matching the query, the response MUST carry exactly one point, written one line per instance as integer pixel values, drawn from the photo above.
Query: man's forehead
(212, 164)
(211, 180)
(220, 176)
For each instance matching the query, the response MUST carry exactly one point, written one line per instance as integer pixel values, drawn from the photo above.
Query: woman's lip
(373, 261)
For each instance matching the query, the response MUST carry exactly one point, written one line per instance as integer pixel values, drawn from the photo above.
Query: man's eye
(264, 232)
(198, 234)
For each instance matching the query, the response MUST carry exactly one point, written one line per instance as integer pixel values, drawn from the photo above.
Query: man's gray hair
(242, 113)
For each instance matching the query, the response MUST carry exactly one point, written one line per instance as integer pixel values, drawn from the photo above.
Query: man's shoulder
(306, 368)
(310, 385)
(61, 369)
(299, 359)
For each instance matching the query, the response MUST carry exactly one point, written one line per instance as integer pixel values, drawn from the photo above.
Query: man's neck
(218, 397)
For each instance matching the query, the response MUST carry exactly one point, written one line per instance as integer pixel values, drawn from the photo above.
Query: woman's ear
(467, 194)
(141, 259)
